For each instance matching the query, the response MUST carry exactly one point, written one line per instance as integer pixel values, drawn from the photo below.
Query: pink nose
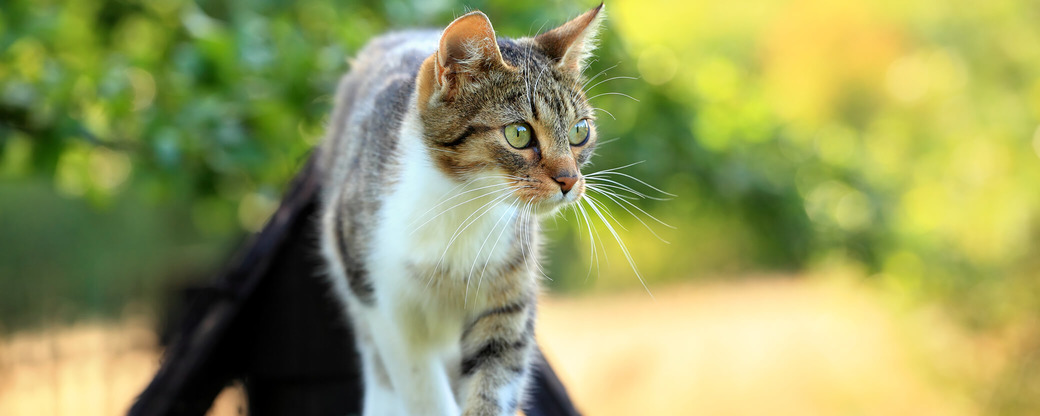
(566, 182)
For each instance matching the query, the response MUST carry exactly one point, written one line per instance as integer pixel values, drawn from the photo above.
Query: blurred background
(856, 210)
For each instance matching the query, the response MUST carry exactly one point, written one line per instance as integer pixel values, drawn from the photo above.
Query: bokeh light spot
(108, 169)
(853, 211)
(907, 79)
(144, 87)
(658, 64)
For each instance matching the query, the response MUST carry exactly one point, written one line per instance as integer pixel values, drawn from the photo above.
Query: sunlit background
(855, 216)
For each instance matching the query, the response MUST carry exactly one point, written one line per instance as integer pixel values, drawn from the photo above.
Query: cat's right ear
(572, 43)
(467, 47)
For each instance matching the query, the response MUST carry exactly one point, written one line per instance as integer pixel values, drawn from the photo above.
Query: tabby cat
(444, 150)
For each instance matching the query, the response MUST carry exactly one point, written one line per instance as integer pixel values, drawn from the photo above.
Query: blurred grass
(776, 345)
(892, 141)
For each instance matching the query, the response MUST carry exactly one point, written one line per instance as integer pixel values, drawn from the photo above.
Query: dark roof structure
(269, 322)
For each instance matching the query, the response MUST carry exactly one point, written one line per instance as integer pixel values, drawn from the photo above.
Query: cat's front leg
(497, 350)
(417, 377)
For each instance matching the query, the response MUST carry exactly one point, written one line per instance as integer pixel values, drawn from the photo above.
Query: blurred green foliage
(140, 140)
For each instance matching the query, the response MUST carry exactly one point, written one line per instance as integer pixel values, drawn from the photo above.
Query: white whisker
(482, 210)
(493, 246)
(637, 180)
(453, 196)
(617, 168)
(613, 93)
(624, 249)
(597, 76)
(621, 203)
(505, 189)
(596, 202)
(605, 111)
(610, 140)
(609, 79)
(476, 257)
(608, 183)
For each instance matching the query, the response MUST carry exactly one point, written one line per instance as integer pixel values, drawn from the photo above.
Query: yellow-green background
(897, 142)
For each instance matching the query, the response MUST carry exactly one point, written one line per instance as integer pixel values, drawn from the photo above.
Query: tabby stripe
(496, 348)
(509, 309)
(469, 131)
(491, 351)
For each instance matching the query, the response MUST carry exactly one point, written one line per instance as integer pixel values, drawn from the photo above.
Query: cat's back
(394, 53)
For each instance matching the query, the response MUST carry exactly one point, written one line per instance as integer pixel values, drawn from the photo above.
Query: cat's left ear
(467, 47)
(573, 42)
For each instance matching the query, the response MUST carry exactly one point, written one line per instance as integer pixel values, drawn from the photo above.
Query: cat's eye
(518, 135)
(579, 134)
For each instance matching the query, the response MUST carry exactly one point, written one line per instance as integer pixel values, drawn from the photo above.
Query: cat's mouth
(548, 201)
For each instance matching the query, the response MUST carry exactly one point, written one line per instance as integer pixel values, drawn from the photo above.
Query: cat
(443, 152)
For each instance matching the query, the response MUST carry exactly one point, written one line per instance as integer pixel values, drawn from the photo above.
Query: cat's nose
(566, 182)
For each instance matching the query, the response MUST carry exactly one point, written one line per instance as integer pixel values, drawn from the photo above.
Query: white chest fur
(434, 242)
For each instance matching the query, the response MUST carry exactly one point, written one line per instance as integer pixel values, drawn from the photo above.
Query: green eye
(518, 135)
(579, 133)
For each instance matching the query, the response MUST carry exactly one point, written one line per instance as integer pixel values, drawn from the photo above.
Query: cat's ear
(573, 42)
(467, 46)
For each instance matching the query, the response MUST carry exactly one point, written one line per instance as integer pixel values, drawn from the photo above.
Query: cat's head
(511, 109)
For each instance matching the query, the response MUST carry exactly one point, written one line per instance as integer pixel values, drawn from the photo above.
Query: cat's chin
(549, 206)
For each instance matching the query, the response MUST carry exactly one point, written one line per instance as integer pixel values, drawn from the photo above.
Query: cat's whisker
(527, 83)
(520, 228)
(529, 225)
(476, 257)
(621, 202)
(574, 209)
(611, 184)
(504, 188)
(526, 230)
(597, 75)
(616, 168)
(464, 225)
(624, 248)
(605, 111)
(610, 140)
(606, 80)
(593, 254)
(442, 150)
(619, 187)
(613, 190)
(518, 178)
(482, 210)
(595, 175)
(453, 196)
(493, 246)
(613, 93)
(596, 202)
(586, 68)
(539, 78)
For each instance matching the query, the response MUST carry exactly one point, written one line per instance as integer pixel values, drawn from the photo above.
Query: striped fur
(430, 219)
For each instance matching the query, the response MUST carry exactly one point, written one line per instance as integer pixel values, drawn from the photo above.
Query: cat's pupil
(518, 135)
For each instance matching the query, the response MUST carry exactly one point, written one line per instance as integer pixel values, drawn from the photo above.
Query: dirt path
(769, 347)
(762, 347)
